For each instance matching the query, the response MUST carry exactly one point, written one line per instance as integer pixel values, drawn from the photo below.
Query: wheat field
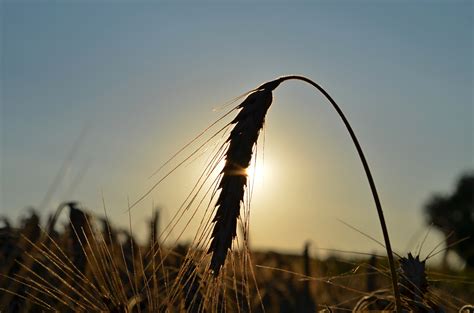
(91, 266)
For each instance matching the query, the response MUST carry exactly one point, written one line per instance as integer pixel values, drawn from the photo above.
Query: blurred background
(96, 95)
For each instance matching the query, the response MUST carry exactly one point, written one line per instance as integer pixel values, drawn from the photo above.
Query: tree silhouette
(453, 215)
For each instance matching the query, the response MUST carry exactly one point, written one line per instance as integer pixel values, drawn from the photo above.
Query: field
(92, 266)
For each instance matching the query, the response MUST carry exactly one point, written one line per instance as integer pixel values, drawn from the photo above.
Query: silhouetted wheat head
(242, 139)
(417, 292)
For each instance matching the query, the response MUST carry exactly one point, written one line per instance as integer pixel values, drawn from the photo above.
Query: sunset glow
(259, 173)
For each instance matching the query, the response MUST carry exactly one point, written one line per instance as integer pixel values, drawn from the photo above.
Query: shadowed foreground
(91, 266)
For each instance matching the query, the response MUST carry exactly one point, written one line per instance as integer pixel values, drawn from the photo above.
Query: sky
(109, 90)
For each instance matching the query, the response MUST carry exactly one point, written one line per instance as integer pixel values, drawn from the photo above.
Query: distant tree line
(453, 215)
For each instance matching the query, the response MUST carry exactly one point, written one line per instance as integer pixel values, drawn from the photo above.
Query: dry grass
(112, 272)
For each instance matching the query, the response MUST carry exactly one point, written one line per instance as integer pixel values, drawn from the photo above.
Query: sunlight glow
(259, 173)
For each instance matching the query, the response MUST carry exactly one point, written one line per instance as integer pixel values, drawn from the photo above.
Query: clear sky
(143, 78)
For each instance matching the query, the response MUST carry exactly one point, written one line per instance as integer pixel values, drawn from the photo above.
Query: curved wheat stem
(375, 195)
(248, 123)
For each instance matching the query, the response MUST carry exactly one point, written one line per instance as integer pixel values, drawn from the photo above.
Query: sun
(258, 173)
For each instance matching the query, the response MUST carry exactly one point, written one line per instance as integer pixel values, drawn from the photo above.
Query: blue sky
(143, 78)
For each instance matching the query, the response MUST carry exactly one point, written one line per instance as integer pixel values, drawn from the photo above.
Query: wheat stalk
(244, 135)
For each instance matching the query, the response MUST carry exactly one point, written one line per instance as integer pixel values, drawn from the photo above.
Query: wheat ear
(244, 135)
